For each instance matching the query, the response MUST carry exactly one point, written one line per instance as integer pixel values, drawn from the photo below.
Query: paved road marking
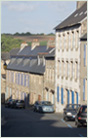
(66, 123)
(81, 135)
(62, 120)
(69, 125)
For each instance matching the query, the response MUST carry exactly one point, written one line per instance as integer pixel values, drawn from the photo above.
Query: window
(62, 101)
(28, 80)
(84, 54)
(67, 96)
(77, 38)
(67, 68)
(21, 79)
(24, 80)
(84, 89)
(57, 94)
(18, 79)
(73, 39)
(76, 97)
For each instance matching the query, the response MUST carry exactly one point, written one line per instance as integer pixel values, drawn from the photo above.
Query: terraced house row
(71, 59)
(28, 74)
(57, 74)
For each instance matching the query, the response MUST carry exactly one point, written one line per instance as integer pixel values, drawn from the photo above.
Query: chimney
(80, 4)
(34, 43)
(23, 45)
(38, 60)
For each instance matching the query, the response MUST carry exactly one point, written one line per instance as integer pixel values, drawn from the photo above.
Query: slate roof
(14, 51)
(51, 54)
(26, 60)
(84, 37)
(74, 19)
(5, 55)
(29, 52)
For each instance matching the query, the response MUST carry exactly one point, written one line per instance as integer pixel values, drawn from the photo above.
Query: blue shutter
(62, 102)
(72, 97)
(77, 97)
(83, 89)
(84, 54)
(67, 96)
(57, 94)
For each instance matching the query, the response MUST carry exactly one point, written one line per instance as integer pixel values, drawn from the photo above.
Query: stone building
(5, 58)
(25, 73)
(83, 74)
(68, 59)
(49, 77)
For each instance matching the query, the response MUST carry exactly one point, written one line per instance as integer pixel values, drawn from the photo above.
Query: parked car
(36, 106)
(70, 111)
(46, 106)
(81, 117)
(9, 102)
(13, 104)
(13, 101)
(19, 104)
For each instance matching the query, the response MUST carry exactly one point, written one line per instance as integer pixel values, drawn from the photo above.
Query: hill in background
(8, 41)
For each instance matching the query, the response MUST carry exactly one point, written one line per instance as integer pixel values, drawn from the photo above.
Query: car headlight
(44, 108)
(69, 113)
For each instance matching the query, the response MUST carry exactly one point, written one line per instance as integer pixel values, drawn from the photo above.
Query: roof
(51, 53)
(5, 55)
(74, 19)
(14, 51)
(27, 60)
(32, 52)
(84, 37)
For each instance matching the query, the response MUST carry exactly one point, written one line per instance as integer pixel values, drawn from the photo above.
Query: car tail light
(79, 118)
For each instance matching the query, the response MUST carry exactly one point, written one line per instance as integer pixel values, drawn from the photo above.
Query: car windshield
(20, 101)
(46, 103)
(72, 106)
(83, 109)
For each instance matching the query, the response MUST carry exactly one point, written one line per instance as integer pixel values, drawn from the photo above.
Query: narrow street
(26, 123)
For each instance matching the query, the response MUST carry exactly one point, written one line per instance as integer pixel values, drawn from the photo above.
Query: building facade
(49, 77)
(83, 57)
(25, 73)
(68, 60)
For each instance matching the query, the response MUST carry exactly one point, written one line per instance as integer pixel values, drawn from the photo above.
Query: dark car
(9, 102)
(36, 106)
(20, 104)
(70, 111)
(81, 117)
(13, 101)
(46, 107)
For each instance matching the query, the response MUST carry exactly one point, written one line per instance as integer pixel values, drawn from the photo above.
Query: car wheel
(65, 118)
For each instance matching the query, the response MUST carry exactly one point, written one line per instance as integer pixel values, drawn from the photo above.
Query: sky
(34, 16)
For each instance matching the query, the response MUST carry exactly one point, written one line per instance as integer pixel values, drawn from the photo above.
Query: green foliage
(43, 43)
(8, 43)
(22, 34)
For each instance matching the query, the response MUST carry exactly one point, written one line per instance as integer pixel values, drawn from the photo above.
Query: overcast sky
(34, 17)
